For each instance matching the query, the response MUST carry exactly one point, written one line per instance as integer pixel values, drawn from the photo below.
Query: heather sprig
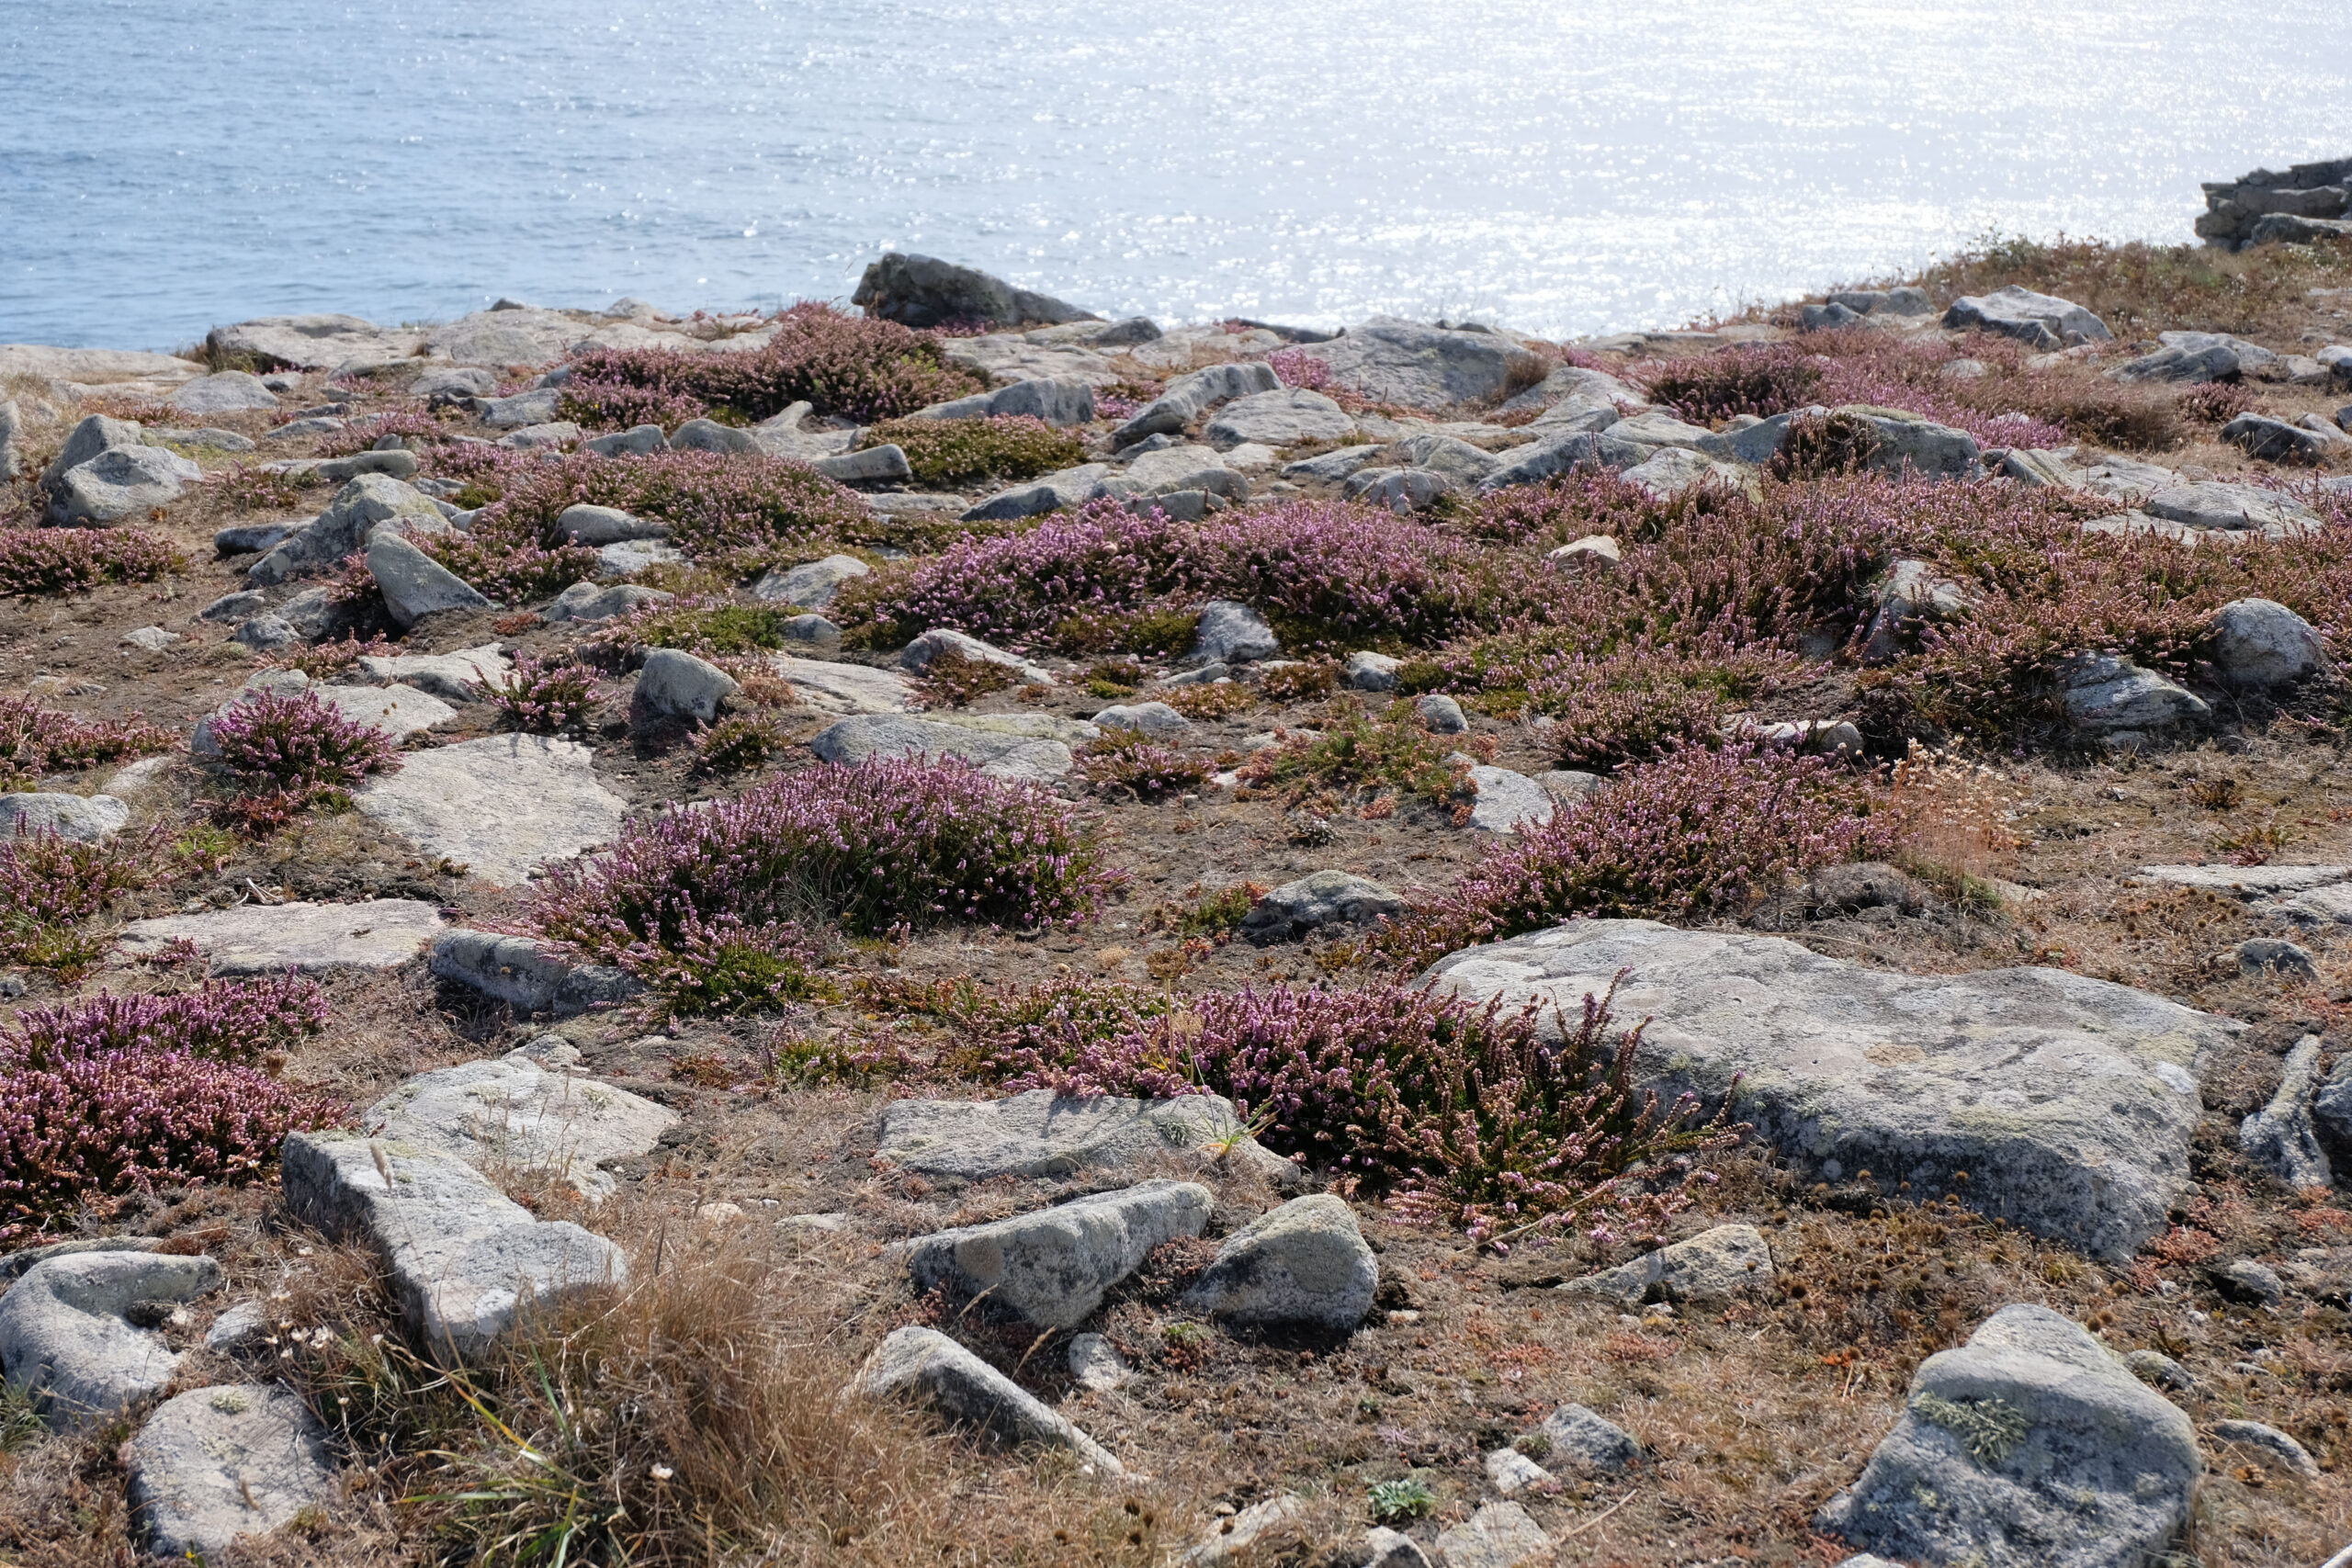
(50, 886)
(878, 846)
(1129, 761)
(36, 741)
(511, 573)
(229, 1021)
(727, 966)
(75, 560)
(550, 695)
(299, 746)
(737, 508)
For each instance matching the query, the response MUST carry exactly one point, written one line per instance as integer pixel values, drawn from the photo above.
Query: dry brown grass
(2140, 289)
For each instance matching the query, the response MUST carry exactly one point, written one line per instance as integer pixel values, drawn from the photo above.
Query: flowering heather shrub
(1211, 700)
(1698, 831)
(951, 680)
(1641, 704)
(739, 744)
(511, 573)
(1294, 368)
(705, 627)
(1012, 588)
(726, 968)
(2141, 289)
(881, 845)
(319, 659)
(605, 402)
(258, 490)
(357, 435)
(1821, 447)
(36, 741)
(1299, 680)
(75, 560)
(718, 505)
(1167, 633)
(299, 746)
(124, 1120)
(545, 696)
(1356, 757)
(861, 368)
(1761, 380)
(229, 1021)
(950, 453)
(1129, 760)
(51, 885)
(2218, 402)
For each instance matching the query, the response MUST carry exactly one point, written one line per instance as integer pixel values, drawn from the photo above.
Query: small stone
(1384, 1548)
(1368, 672)
(587, 525)
(520, 971)
(675, 685)
(884, 465)
(2275, 440)
(1499, 1535)
(811, 586)
(2272, 1445)
(1594, 552)
(265, 634)
(216, 1464)
(83, 818)
(2042, 321)
(66, 1339)
(1442, 714)
(709, 436)
(632, 556)
(2258, 642)
(1303, 1265)
(152, 640)
(1053, 1267)
(1288, 416)
(1507, 801)
(1578, 1436)
(1567, 784)
(635, 442)
(1232, 633)
(240, 1328)
(1715, 1266)
(234, 606)
(1042, 1134)
(918, 654)
(1004, 754)
(1237, 1540)
(1321, 898)
(587, 601)
(224, 391)
(2155, 1367)
(456, 677)
(934, 1368)
(812, 631)
(2275, 955)
(2244, 1279)
(2103, 693)
(120, 484)
(1096, 1365)
(1150, 718)
(1511, 1472)
(841, 688)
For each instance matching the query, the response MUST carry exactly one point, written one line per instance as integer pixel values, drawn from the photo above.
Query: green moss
(1990, 1429)
(956, 453)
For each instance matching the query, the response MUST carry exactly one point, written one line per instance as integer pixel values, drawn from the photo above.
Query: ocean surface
(1556, 166)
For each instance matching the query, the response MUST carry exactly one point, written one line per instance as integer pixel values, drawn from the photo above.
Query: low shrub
(36, 741)
(707, 628)
(75, 560)
(859, 367)
(122, 1121)
(1823, 446)
(740, 744)
(1127, 762)
(878, 846)
(545, 696)
(951, 680)
(1299, 680)
(1216, 914)
(1697, 832)
(725, 967)
(2218, 402)
(245, 490)
(1638, 706)
(50, 886)
(226, 1021)
(1760, 379)
(511, 573)
(1165, 634)
(1357, 757)
(299, 746)
(1209, 699)
(2140, 289)
(951, 454)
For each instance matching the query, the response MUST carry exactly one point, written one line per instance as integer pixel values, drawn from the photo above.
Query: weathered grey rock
(456, 677)
(120, 484)
(1056, 399)
(843, 688)
(2274, 955)
(525, 973)
(265, 634)
(1151, 718)
(2210, 503)
(1238, 1538)
(392, 464)
(1713, 1266)
(709, 436)
(307, 342)
(465, 1259)
(512, 1112)
(884, 465)
(2244, 1279)
(93, 435)
(1012, 756)
(2258, 436)
(1096, 1365)
(2184, 357)
(925, 1365)
(1189, 396)
(1580, 1439)
(813, 632)
(1232, 633)
(207, 438)
(1441, 713)
(608, 526)
(2269, 1444)
(366, 506)
(1037, 497)
(85, 819)
(2287, 228)
(521, 410)
(2028, 1446)
(1499, 1535)
(11, 425)
(14, 1264)
(1508, 801)
(239, 1329)
(811, 586)
(446, 384)
(244, 538)
(1332, 468)
(150, 639)
(1368, 672)
(675, 685)
(269, 939)
(1429, 367)
(2101, 693)
(632, 556)
(2155, 1367)
(226, 391)
(1567, 784)
(67, 1338)
(1319, 900)
(2282, 1135)
(1510, 1472)
(1541, 460)
(1042, 1134)
(1912, 593)
(216, 1464)
(1054, 1265)
(1303, 1265)
(587, 601)
(1910, 444)
(1594, 552)
(2258, 642)
(1656, 427)
(2044, 320)
(1828, 317)
(635, 442)
(918, 654)
(924, 291)
(1289, 417)
(503, 806)
(1670, 470)
(2069, 1101)
(413, 584)
(1398, 490)
(1384, 1548)
(548, 436)
(304, 428)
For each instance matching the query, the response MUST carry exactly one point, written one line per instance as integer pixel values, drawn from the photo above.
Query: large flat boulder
(527, 973)
(1053, 1267)
(269, 939)
(1013, 756)
(1041, 1133)
(503, 806)
(216, 1464)
(924, 291)
(68, 1341)
(2029, 1447)
(513, 1111)
(1395, 361)
(121, 484)
(2044, 320)
(92, 367)
(845, 688)
(2069, 1102)
(465, 1257)
(307, 342)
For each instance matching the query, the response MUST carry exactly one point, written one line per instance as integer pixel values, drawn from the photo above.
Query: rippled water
(169, 164)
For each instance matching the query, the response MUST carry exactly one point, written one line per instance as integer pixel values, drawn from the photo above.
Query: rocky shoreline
(698, 910)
